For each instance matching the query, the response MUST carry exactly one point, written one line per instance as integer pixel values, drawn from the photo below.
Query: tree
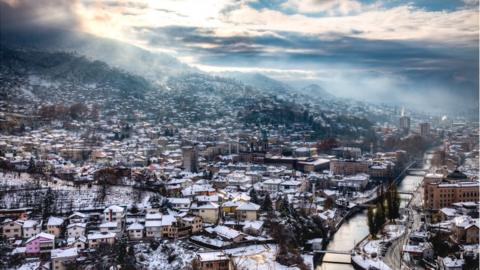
(379, 216)
(31, 165)
(371, 221)
(393, 203)
(48, 204)
(267, 204)
(329, 203)
(253, 196)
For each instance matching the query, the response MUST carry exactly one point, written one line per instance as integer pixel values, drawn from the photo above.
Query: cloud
(25, 13)
(329, 7)
(381, 45)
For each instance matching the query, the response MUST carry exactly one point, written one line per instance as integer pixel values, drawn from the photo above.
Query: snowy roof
(113, 208)
(208, 205)
(109, 225)
(168, 220)
(64, 253)
(100, 236)
(153, 216)
(153, 223)
(135, 226)
(179, 200)
(212, 256)
(249, 207)
(78, 214)
(54, 221)
(30, 223)
(256, 224)
(41, 235)
(224, 231)
(448, 211)
(83, 225)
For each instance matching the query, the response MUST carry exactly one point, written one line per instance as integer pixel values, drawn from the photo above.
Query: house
(110, 227)
(271, 185)
(135, 231)
(96, 239)
(180, 203)
(328, 217)
(114, 213)
(290, 186)
(254, 227)
(78, 217)
(76, 229)
(229, 207)
(208, 212)
(195, 222)
(31, 228)
(447, 213)
(226, 233)
(153, 228)
(78, 242)
(40, 243)
(63, 259)
(12, 229)
(247, 211)
(169, 226)
(55, 225)
(214, 260)
(465, 230)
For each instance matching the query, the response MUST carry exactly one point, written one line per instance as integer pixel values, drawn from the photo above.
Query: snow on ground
(261, 257)
(167, 256)
(82, 197)
(392, 232)
(367, 263)
(373, 246)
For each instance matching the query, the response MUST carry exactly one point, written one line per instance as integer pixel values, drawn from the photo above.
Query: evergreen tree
(267, 204)
(379, 216)
(395, 203)
(371, 221)
(253, 196)
(31, 165)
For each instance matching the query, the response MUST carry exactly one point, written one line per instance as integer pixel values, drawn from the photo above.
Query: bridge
(417, 172)
(343, 252)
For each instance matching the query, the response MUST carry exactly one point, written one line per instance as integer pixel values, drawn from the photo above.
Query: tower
(425, 129)
(190, 158)
(405, 123)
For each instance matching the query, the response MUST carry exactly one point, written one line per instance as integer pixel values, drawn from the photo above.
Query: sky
(390, 49)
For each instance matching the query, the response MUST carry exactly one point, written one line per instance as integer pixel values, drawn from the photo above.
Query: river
(355, 229)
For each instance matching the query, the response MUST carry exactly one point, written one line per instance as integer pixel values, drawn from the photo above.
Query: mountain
(35, 78)
(260, 81)
(315, 90)
(153, 66)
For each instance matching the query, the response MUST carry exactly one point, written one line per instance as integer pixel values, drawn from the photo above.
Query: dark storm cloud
(308, 50)
(25, 14)
(413, 64)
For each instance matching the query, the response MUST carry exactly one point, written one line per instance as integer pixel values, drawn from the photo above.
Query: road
(393, 256)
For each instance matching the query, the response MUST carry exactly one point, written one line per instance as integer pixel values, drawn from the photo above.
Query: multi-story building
(31, 228)
(12, 229)
(190, 158)
(348, 167)
(62, 259)
(405, 124)
(442, 192)
(114, 213)
(425, 130)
